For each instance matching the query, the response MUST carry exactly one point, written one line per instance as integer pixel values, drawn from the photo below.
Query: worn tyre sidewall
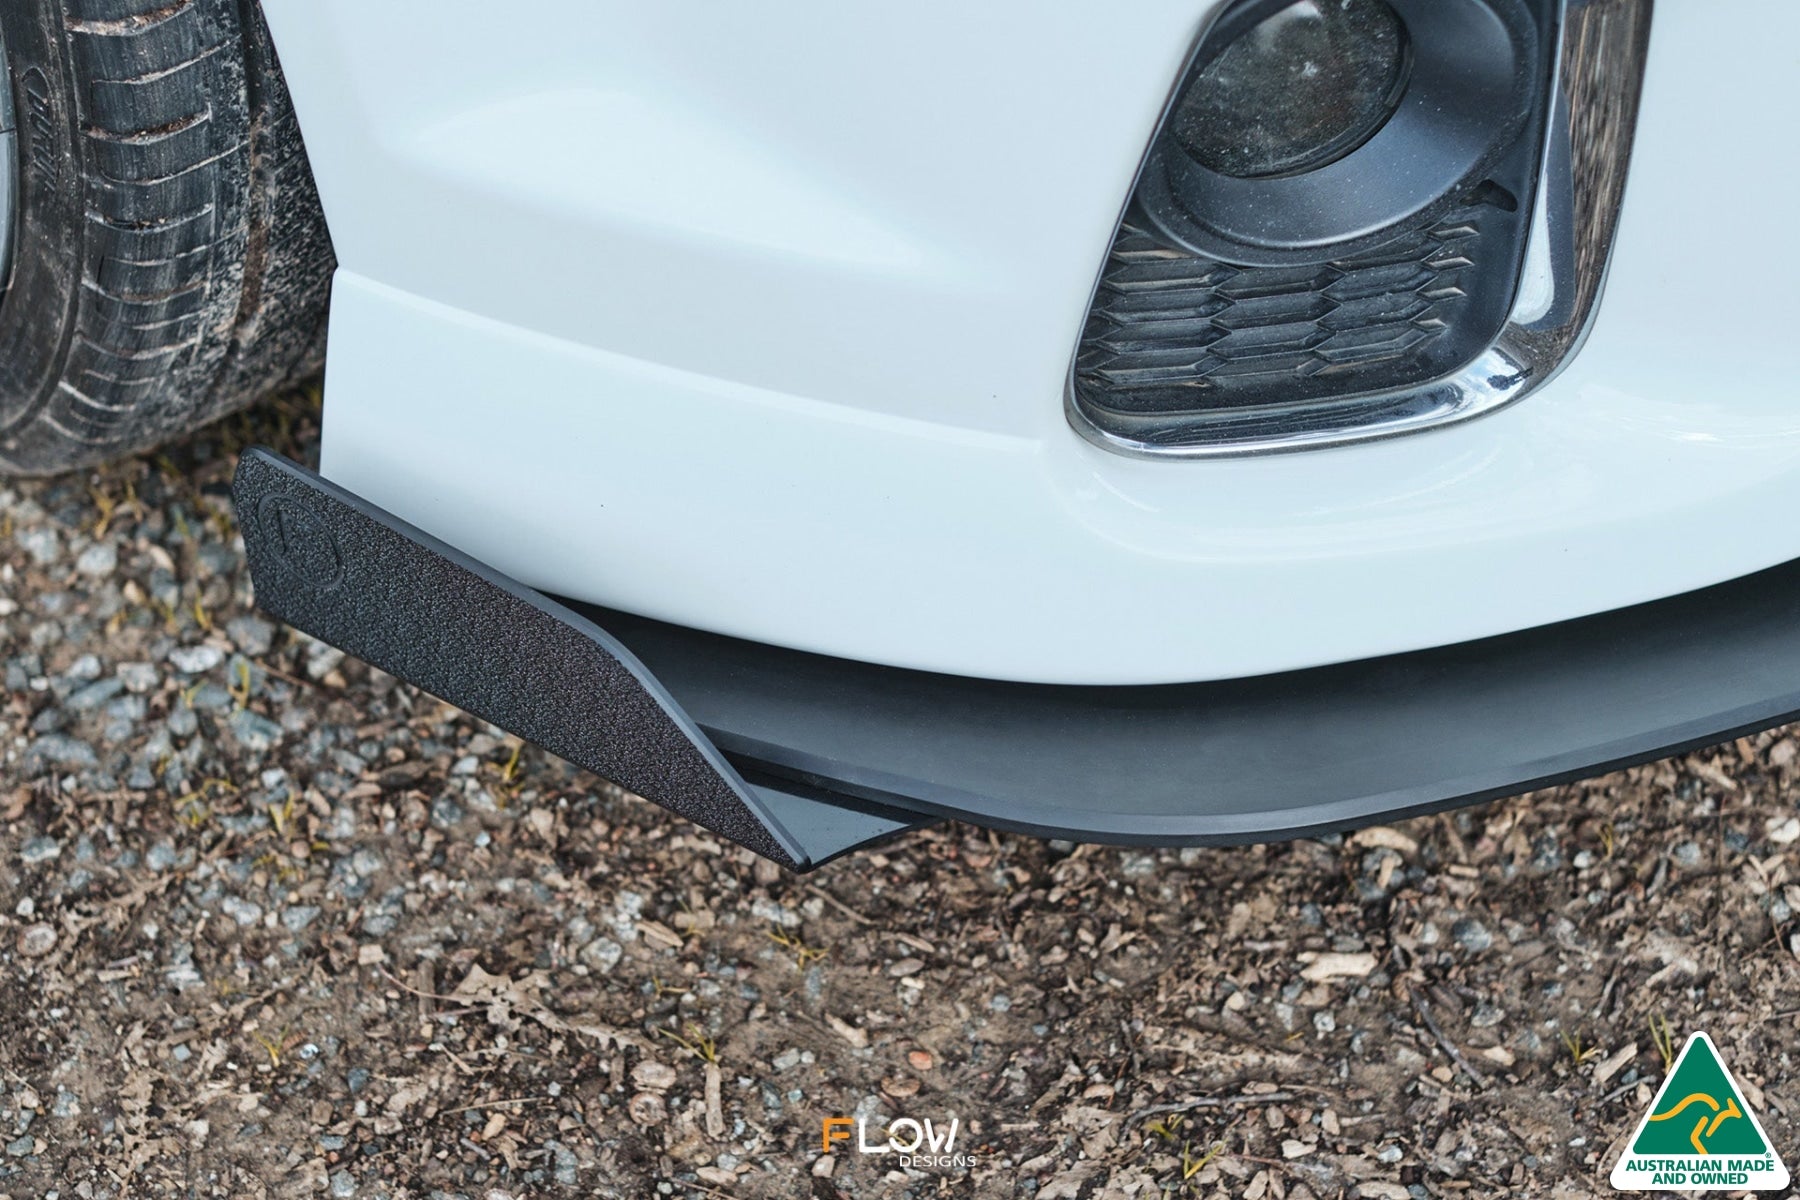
(172, 258)
(37, 314)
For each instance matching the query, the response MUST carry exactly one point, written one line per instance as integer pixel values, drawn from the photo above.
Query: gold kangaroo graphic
(1709, 1122)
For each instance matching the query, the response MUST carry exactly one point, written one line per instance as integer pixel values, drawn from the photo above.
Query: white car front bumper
(760, 324)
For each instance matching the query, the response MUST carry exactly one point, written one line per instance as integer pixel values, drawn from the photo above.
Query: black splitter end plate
(328, 562)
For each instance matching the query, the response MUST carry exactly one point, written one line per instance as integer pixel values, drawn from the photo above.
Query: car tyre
(169, 260)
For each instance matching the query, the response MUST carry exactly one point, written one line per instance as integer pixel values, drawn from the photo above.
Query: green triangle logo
(1700, 1134)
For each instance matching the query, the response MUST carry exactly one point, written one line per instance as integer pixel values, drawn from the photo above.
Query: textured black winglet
(326, 561)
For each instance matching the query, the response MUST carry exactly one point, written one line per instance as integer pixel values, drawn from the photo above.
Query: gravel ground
(274, 925)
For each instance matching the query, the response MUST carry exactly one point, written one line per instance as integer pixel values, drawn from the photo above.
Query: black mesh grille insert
(1173, 332)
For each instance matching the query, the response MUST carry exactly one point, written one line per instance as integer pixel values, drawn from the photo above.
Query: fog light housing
(1294, 89)
(1330, 224)
(1275, 153)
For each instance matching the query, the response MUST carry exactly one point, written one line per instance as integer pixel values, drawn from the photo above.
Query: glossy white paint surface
(756, 318)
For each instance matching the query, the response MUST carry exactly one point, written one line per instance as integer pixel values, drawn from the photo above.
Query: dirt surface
(274, 925)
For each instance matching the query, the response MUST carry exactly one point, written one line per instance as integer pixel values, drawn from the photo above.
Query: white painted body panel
(756, 318)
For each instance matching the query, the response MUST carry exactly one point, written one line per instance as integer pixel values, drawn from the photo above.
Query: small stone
(244, 912)
(194, 660)
(1546, 852)
(98, 561)
(214, 558)
(252, 635)
(1782, 832)
(920, 1060)
(1390, 1154)
(787, 1060)
(652, 1076)
(1324, 1022)
(254, 731)
(210, 697)
(1471, 935)
(161, 856)
(1381, 1189)
(39, 541)
(765, 909)
(1334, 965)
(602, 954)
(183, 975)
(357, 1079)
(446, 812)
(94, 695)
(647, 1108)
(905, 967)
(1383, 869)
(40, 850)
(138, 678)
(1385, 835)
(63, 751)
(322, 660)
(1136, 864)
(343, 1184)
(37, 940)
(565, 1163)
(1688, 854)
(900, 1087)
(298, 916)
(20, 1147)
(1001, 1003)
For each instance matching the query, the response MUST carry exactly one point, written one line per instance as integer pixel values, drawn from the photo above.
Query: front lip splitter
(802, 757)
(328, 562)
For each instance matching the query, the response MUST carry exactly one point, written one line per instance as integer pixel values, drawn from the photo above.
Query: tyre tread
(206, 264)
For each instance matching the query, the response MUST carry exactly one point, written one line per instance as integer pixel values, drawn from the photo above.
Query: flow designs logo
(917, 1143)
(1700, 1135)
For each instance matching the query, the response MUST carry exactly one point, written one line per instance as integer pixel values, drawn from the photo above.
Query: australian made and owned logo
(1700, 1134)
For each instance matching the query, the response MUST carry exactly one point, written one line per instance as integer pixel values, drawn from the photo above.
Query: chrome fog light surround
(1573, 212)
(9, 169)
